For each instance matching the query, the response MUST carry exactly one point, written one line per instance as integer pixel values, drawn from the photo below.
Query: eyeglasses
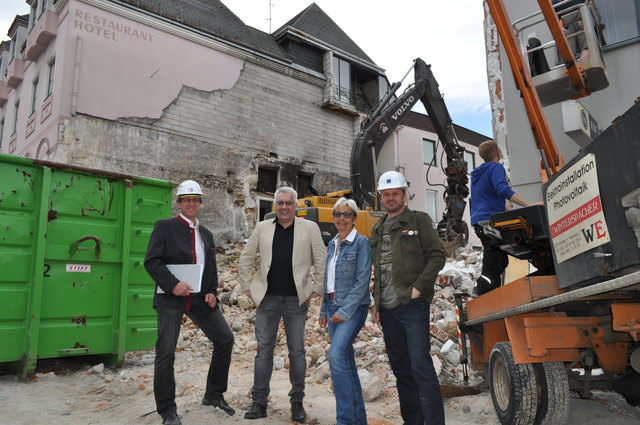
(287, 203)
(339, 214)
(189, 199)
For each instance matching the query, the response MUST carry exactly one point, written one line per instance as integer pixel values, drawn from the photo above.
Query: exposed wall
(220, 138)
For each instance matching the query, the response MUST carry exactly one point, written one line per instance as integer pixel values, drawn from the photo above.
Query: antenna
(270, 5)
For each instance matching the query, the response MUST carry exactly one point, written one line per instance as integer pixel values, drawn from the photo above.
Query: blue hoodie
(489, 191)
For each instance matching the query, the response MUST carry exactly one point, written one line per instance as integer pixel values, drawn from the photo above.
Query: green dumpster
(72, 245)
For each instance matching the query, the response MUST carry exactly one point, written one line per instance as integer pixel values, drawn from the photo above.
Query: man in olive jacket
(407, 256)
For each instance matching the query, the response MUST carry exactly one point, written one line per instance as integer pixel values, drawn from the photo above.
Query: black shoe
(297, 412)
(257, 411)
(220, 403)
(171, 419)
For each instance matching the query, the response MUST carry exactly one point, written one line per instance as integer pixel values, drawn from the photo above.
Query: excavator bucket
(451, 246)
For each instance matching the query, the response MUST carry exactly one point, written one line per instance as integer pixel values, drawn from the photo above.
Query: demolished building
(176, 89)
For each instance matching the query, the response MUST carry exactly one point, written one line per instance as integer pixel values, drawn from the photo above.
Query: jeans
(268, 315)
(406, 337)
(494, 263)
(350, 408)
(215, 327)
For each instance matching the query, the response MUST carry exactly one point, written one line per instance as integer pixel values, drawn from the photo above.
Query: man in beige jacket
(281, 289)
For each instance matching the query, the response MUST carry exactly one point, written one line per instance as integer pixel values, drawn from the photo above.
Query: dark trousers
(406, 337)
(494, 262)
(215, 327)
(271, 310)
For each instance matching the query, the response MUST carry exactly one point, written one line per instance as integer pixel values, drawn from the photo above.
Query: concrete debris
(322, 372)
(377, 380)
(372, 386)
(99, 368)
(458, 276)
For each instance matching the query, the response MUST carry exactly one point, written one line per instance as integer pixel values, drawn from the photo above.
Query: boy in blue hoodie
(489, 192)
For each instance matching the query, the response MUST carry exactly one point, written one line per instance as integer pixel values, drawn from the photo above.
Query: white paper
(190, 273)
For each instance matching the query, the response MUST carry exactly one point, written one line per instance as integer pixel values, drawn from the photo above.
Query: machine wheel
(629, 387)
(513, 387)
(553, 390)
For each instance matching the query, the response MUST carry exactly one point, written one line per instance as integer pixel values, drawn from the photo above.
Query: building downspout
(76, 76)
(495, 80)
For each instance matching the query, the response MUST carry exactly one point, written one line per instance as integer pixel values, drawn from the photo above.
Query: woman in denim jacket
(345, 305)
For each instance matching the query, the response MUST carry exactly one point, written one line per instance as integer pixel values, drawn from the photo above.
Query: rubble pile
(378, 382)
(458, 276)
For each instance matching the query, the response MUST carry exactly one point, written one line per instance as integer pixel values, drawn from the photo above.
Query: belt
(331, 295)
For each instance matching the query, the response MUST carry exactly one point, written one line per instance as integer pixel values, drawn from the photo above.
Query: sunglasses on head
(339, 214)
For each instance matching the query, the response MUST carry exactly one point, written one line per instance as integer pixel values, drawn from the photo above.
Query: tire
(513, 387)
(629, 387)
(554, 394)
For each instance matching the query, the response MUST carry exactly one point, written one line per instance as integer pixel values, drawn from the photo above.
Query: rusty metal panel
(626, 318)
(71, 246)
(546, 334)
(612, 357)
(616, 152)
(493, 332)
(21, 205)
(516, 293)
(520, 346)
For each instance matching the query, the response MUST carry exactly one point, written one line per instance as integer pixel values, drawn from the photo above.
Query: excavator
(573, 324)
(375, 130)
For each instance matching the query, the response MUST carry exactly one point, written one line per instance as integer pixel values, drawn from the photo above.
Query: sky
(446, 34)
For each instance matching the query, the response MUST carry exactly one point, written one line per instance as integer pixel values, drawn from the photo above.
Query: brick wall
(220, 138)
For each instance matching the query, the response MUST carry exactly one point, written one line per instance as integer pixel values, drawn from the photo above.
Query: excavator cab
(550, 73)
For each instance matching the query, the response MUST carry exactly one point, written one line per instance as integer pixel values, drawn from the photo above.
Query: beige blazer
(308, 250)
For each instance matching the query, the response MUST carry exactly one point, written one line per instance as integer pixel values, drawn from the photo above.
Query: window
(471, 161)
(52, 70)
(305, 187)
(621, 19)
(34, 14)
(265, 207)
(267, 180)
(15, 117)
(34, 94)
(429, 151)
(342, 74)
(432, 205)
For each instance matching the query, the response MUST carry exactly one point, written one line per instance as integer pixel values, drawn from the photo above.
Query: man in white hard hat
(183, 240)
(281, 289)
(407, 256)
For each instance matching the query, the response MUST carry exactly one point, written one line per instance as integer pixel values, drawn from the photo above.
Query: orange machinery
(537, 341)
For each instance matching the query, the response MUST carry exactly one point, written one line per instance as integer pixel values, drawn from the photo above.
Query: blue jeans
(350, 408)
(406, 336)
(268, 315)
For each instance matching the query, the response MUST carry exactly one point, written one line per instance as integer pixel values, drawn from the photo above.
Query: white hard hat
(392, 180)
(189, 187)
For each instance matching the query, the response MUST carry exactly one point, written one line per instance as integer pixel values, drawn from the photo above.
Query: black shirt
(280, 277)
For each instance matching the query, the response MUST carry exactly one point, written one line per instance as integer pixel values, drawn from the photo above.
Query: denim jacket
(352, 277)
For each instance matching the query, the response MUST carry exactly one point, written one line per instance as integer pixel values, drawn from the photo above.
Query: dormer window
(342, 80)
